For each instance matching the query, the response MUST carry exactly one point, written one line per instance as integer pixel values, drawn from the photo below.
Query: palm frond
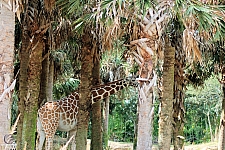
(202, 22)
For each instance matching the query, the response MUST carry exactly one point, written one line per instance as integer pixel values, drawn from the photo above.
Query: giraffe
(62, 114)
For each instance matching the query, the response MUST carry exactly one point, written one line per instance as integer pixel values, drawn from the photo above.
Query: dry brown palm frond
(152, 26)
(49, 4)
(190, 46)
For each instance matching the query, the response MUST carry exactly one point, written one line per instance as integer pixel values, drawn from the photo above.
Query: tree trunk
(31, 101)
(7, 28)
(96, 130)
(210, 127)
(50, 81)
(145, 119)
(84, 90)
(44, 76)
(106, 122)
(166, 105)
(221, 143)
(145, 104)
(179, 91)
(30, 72)
(23, 85)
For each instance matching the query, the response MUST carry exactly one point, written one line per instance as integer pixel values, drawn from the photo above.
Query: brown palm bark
(30, 74)
(84, 90)
(166, 105)
(179, 91)
(7, 28)
(96, 121)
(221, 143)
(45, 75)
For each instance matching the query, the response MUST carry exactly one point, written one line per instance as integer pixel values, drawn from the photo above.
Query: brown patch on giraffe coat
(68, 121)
(106, 94)
(101, 91)
(117, 88)
(60, 102)
(113, 86)
(63, 116)
(108, 88)
(94, 93)
(76, 109)
(71, 111)
(44, 115)
(97, 98)
(71, 116)
(77, 97)
(112, 91)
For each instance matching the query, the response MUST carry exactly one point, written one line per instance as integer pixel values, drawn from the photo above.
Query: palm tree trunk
(50, 81)
(84, 90)
(31, 101)
(221, 143)
(7, 28)
(30, 72)
(145, 104)
(23, 85)
(44, 76)
(166, 105)
(179, 90)
(96, 130)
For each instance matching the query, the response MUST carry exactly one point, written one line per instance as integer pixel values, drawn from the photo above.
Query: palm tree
(33, 34)
(192, 50)
(7, 27)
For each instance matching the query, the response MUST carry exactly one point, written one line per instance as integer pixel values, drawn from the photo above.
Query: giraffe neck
(102, 91)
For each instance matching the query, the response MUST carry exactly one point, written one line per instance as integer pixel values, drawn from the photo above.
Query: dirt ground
(129, 146)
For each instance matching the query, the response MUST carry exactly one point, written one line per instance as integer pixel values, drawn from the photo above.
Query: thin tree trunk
(106, 122)
(85, 84)
(221, 143)
(166, 105)
(44, 77)
(96, 130)
(50, 81)
(7, 28)
(210, 127)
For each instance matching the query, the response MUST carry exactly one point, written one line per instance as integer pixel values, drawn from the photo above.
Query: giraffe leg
(73, 141)
(41, 135)
(49, 143)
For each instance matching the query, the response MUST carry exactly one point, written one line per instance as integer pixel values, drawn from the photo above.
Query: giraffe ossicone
(62, 114)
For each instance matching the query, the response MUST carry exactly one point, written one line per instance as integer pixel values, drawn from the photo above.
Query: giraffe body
(62, 114)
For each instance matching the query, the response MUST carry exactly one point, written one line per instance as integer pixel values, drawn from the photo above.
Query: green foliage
(63, 89)
(207, 18)
(114, 64)
(199, 103)
(122, 118)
